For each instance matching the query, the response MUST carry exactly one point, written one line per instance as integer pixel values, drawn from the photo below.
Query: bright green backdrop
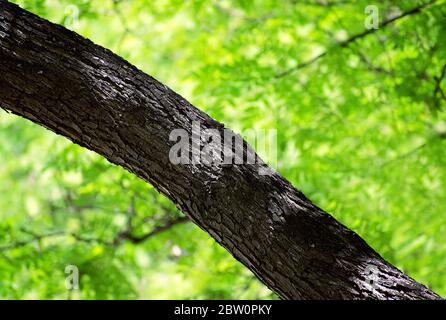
(361, 131)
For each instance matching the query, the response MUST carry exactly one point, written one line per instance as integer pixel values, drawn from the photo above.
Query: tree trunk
(86, 93)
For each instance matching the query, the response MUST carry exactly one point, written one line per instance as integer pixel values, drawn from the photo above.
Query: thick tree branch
(75, 88)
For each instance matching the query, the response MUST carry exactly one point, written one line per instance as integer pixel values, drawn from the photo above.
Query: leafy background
(361, 131)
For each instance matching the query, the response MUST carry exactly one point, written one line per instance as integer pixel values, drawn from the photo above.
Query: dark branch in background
(405, 155)
(301, 65)
(140, 238)
(356, 37)
(370, 66)
(35, 238)
(387, 22)
(128, 234)
(438, 89)
(59, 233)
(323, 3)
(119, 239)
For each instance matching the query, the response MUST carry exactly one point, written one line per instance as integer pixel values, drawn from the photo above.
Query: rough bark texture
(86, 93)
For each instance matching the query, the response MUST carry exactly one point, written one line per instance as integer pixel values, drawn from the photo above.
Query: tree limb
(86, 93)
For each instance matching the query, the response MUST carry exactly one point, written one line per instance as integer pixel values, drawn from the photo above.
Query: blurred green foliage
(361, 131)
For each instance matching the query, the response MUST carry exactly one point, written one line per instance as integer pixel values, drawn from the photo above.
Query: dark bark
(86, 93)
